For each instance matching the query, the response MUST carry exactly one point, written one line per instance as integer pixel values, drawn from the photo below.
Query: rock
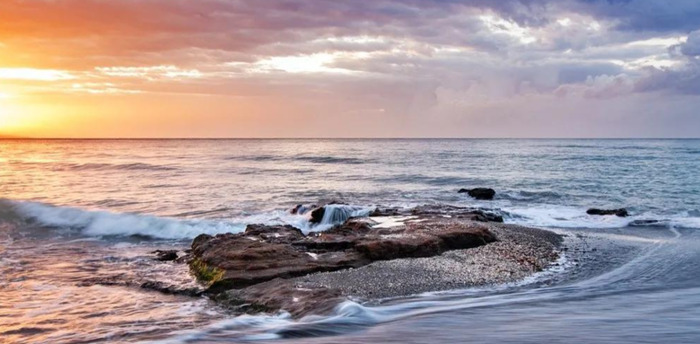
(301, 209)
(647, 223)
(317, 215)
(165, 255)
(229, 261)
(170, 289)
(457, 212)
(622, 212)
(296, 209)
(296, 298)
(385, 212)
(276, 234)
(335, 213)
(263, 253)
(125, 281)
(479, 193)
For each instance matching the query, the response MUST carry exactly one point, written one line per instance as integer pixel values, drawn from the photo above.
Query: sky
(349, 68)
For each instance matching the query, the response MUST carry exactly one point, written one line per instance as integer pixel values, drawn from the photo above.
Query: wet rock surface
(165, 255)
(394, 252)
(263, 253)
(480, 193)
(622, 212)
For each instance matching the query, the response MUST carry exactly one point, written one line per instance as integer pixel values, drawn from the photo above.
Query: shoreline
(391, 254)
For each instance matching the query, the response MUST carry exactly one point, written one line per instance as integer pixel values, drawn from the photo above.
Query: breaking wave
(105, 223)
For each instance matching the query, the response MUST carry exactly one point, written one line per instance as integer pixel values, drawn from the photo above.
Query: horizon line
(9, 138)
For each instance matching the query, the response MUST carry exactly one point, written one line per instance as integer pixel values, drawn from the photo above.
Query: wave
(524, 195)
(555, 216)
(102, 223)
(255, 158)
(63, 166)
(330, 160)
(122, 167)
(339, 213)
(105, 223)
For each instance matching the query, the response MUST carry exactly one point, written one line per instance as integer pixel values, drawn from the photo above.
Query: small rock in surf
(165, 255)
(479, 193)
(622, 212)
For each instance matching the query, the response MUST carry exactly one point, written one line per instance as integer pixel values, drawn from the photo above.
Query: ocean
(75, 210)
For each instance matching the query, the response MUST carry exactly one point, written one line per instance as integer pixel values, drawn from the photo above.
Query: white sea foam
(105, 223)
(339, 213)
(555, 216)
(563, 217)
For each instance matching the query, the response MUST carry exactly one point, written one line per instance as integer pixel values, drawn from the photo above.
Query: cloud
(414, 59)
(646, 15)
(691, 47)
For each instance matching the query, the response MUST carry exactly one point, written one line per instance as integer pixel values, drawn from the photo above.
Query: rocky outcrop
(480, 193)
(622, 212)
(264, 253)
(272, 268)
(251, 271)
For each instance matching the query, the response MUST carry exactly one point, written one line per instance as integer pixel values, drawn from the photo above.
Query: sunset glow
(228, 68)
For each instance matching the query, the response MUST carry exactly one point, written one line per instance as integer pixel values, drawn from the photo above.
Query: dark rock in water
(165, 255)
(480, 193)
(170, 289)
(301, 209)
(385, 212)
(647, 223)
(317, 215)
(622, 212)
(125, 281)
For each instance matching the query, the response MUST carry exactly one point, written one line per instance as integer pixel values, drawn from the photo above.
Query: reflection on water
(48, 295)
(642, 286)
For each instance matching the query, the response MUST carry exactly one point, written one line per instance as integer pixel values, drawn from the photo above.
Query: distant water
(75, 210)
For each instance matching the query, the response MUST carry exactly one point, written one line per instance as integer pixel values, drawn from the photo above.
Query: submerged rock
(165, 255)
(298, 299)
(385, 212)
(480, 193)
(647, 223)
(622, 212)
(170, 289)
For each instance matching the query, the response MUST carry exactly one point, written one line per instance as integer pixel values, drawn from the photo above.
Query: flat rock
(263, 253)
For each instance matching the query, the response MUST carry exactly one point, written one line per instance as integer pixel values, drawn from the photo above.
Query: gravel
(518, 253)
